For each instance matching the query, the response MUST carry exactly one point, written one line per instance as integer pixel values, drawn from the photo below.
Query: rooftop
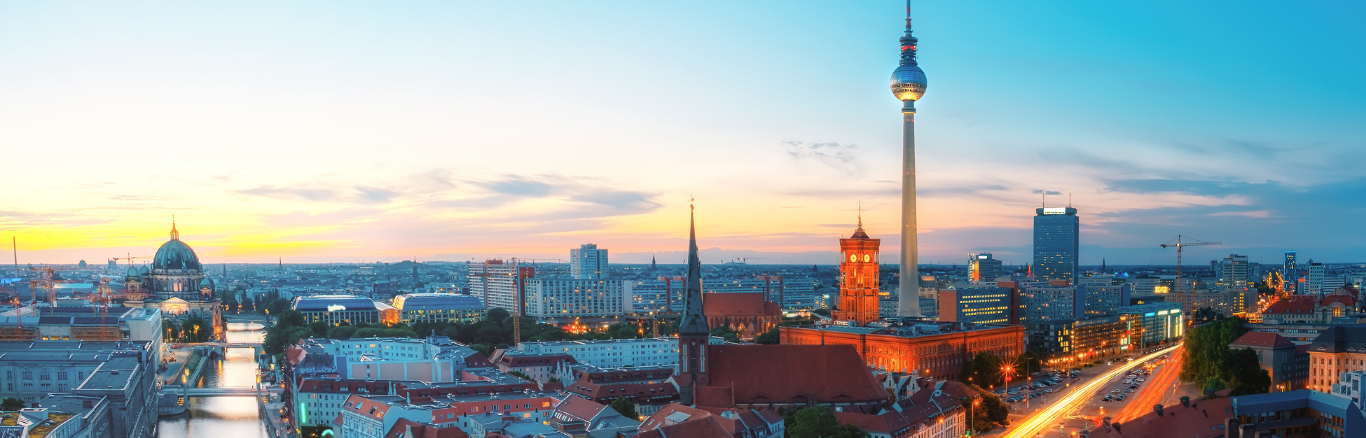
(332, 303)
(434, 301)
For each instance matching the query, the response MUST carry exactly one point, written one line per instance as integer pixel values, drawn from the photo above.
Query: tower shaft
(908, 293)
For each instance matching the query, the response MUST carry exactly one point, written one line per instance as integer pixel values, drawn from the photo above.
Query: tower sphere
(908, 82)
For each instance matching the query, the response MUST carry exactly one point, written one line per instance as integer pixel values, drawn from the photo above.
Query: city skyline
(264, 146)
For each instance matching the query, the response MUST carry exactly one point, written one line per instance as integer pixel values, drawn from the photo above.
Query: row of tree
(1210, 364)
(494, 331)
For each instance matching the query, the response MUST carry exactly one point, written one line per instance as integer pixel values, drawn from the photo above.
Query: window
(62, 375)
(80, 375)
(28, 375)
(28, 387)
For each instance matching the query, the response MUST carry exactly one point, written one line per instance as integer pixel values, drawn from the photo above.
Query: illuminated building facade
(176, 285)
(935, 349)
(339, 309)
(437, 307)
(1056, 243)
(1104, 300)
(858, 278)
(982, 267)
(979, 305)
(568, 298)
(1290, 273)
(1153, 324)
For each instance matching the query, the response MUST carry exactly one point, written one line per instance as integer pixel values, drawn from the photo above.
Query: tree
(1206, 351)
(12, 404)
(988, 412)
(1029, 363)
(819, 422)
(1245, 373)
(770, 337)
(319, 328)
(498, 315)
(625, 407)
(984, 369)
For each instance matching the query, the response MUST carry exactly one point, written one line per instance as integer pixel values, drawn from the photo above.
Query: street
(1070, 403)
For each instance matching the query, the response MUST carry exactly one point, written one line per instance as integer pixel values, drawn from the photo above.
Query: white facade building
(588, 261)
(615, 352)
(572, 297)
(498, 282)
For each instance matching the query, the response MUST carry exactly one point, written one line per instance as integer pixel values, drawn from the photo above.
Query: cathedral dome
(175, 255)
(133, 271)
(206, 282)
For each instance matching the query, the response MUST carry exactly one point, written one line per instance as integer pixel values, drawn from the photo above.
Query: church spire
(693, 322)
(175, 235)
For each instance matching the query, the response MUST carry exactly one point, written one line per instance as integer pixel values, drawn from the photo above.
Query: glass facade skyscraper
(1056, 240)
(1289, 274)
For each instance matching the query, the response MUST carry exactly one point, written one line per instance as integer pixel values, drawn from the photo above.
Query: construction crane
(129, 259)
(1180, 245)
(48, 277)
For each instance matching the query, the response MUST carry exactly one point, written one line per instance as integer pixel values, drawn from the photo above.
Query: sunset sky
(362, 131)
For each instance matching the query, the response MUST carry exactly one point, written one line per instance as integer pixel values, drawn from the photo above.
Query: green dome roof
(133, 271)
(175, 255)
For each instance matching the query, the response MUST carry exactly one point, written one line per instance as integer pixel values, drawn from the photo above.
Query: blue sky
(350, 131)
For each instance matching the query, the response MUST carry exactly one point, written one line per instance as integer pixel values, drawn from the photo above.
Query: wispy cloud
(840, 157)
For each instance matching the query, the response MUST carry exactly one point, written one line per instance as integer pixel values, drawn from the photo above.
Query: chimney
(1158, 410)
(1185, 401)
(1231, 424)
(1106, 422)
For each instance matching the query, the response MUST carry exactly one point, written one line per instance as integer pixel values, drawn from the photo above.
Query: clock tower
(858, 278)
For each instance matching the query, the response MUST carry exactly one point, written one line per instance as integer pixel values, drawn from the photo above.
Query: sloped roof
(639, 392)
(708, 427)
(787, 374)
(1340, 338)
(1203, 418)
(294, 355)
(580, 408)
(1299, 304)
(1344, 299)
(738, 304)
(1262, 340)
(423, 430)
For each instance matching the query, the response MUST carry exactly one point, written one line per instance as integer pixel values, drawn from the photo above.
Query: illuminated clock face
(867, 258)
(853, 257)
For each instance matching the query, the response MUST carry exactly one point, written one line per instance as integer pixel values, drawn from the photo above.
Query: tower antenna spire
(860, 211)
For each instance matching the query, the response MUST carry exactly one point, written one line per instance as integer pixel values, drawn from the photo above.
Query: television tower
(908, 85)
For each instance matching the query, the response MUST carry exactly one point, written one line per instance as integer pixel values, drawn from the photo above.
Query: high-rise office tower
(1056, 241)
(1289, 274)
(1234, 270)
(982, 267)
(588, 261)
(1313, 281)
(908, 85)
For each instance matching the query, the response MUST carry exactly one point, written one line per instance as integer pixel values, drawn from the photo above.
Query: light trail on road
(1075, 399)
(1153, 391)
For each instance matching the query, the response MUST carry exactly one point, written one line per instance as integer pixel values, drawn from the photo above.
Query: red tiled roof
(423, 430)
(366, 405)
(708, 427)
(580, 408)
(1344, 299)
(1262, 340)
(640, 392)
(738, 304)
(1203, 418)
(477, 360)
(294, 355)
(787, 374)
(1299, 304)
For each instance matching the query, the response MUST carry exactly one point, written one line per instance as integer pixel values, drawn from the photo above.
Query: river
(236, 417)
